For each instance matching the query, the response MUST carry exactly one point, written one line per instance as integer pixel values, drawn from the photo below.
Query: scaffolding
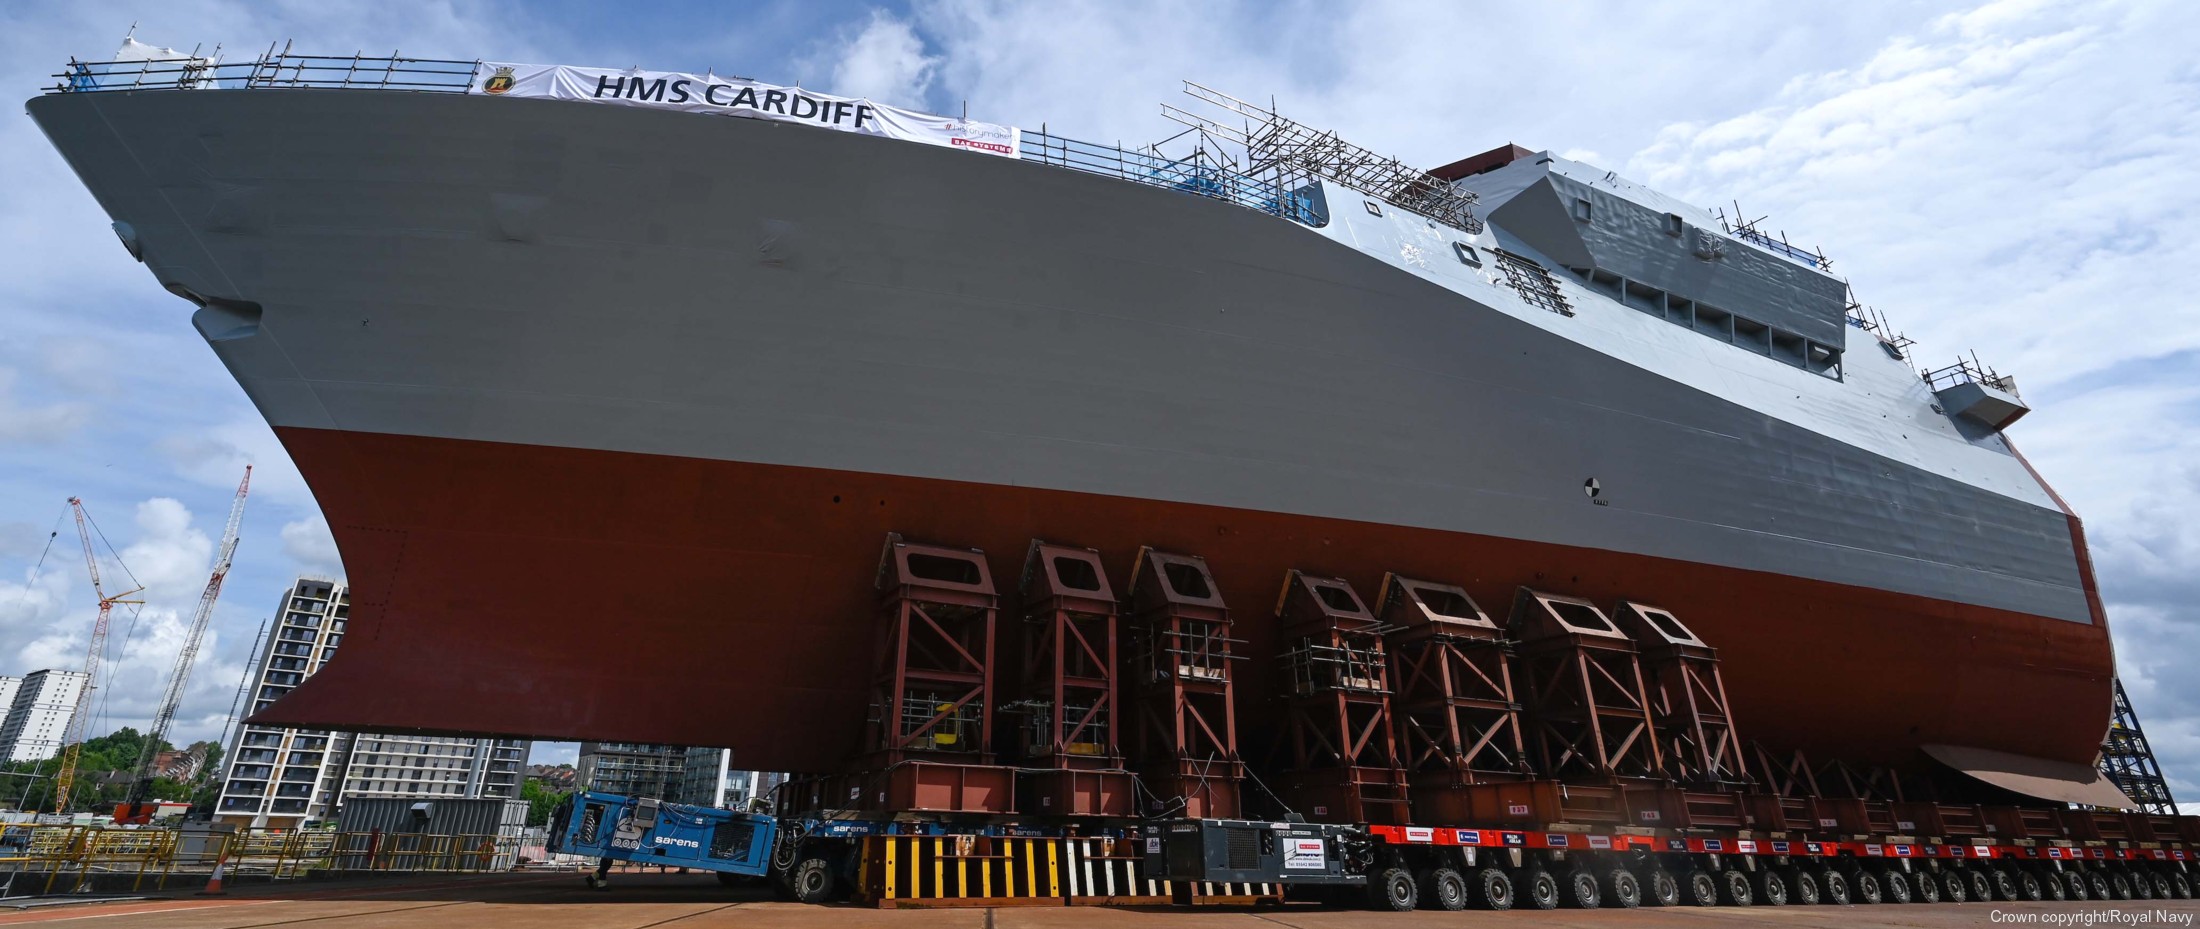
(1293, 155)
(2128, 760)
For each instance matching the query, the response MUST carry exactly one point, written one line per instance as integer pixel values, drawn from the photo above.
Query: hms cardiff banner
(733, 96)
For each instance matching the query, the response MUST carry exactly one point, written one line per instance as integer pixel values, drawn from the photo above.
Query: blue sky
(2018, 178)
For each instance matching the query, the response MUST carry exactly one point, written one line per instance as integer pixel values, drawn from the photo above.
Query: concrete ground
(697, 902)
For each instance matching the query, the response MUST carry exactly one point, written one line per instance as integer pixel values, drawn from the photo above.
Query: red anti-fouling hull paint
(575, 594)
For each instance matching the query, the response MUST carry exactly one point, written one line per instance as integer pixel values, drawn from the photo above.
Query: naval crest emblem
(499, 82)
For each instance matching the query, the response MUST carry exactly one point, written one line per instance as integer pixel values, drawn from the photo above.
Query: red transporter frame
(1187, 748)
(1344, 764)
(1071, 690)
(1458, 721)
(930, 732)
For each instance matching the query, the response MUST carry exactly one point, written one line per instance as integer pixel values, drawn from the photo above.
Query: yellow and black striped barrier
(898, 871)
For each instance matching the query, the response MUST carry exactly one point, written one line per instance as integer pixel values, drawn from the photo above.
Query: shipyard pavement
(691, 901)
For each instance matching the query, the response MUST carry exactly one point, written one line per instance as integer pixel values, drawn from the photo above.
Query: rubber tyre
(1622, 889)
(2179, 887)
(2161, 887)
(2097, 884)
(1805, 891)
(1954, 888)
(2119, 886)
(1982, 886)
(1895, 886)
(2052, 883)
(1734, 889)
(2075, 882)
(1540, 888)
(1660, 889)
(1867, 887)
(1493, 889)
(1772, 889)
(2142, 887)
(2005, 886)
(1444, 889)
(2028, 886)
(1837, 887)
(1926, 887)
(813, 881)
(1700, 889)
(1581, 891)
(1394, 890)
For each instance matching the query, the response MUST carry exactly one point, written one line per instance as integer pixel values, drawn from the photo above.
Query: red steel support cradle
(1582, 689)
(1071, 688)
(1344, 764)
(1688, 702)
(930, 733)
(1457, 719)
(1187, 712)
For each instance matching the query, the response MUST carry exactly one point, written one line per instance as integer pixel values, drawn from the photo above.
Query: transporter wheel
(1540, 887)
(1734, 889)
(812, 880)
(1894, 886)
(1867, 887)
(1393, 889)
(1622, 889)
(2028, 886)
(1581, 889)
(2161, 887)
(1702, 889)
(2005, 885)
(1493, 889)
(2076, 884)
(1660, 889)
(2141, 887)
(1836, 886)
(1772, 889)
(2119, 886)
(1954, 888)
(2179, 887)
(1805, 888)
(1444, 889)
(2097, 884)
(1982, 886)
(1928, 887)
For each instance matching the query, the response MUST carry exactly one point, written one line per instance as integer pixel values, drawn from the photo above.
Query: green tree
(540, 801)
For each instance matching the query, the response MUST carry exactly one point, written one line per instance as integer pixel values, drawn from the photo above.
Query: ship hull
(570, 593)
(578, 388)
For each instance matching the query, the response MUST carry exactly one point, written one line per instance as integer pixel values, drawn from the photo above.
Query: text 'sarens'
(732, 96)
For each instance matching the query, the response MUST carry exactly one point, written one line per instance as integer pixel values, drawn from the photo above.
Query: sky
(2015, 178)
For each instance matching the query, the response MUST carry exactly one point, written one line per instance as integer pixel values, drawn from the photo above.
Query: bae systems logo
(994, 147)
(500, 82)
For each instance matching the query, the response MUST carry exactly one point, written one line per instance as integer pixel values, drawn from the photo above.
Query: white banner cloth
(733, 96)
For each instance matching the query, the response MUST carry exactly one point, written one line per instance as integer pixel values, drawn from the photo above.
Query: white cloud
(308, 544)
(43, 424)
(883, 60)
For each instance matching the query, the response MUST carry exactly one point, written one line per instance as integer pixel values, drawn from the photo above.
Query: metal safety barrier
(276, 69)
(46, 859)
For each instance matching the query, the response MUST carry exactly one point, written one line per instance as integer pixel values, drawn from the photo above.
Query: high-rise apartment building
(287, 777)
(39, 711)
(632, 769)
(708, 778)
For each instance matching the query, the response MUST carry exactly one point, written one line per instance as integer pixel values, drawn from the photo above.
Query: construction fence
(60, 859)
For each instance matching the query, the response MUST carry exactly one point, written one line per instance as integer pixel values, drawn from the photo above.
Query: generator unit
(1245, 851)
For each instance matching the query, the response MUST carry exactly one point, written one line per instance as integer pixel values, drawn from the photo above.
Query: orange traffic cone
(214, 883)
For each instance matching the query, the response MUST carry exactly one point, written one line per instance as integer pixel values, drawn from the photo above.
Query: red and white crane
(135, 808)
